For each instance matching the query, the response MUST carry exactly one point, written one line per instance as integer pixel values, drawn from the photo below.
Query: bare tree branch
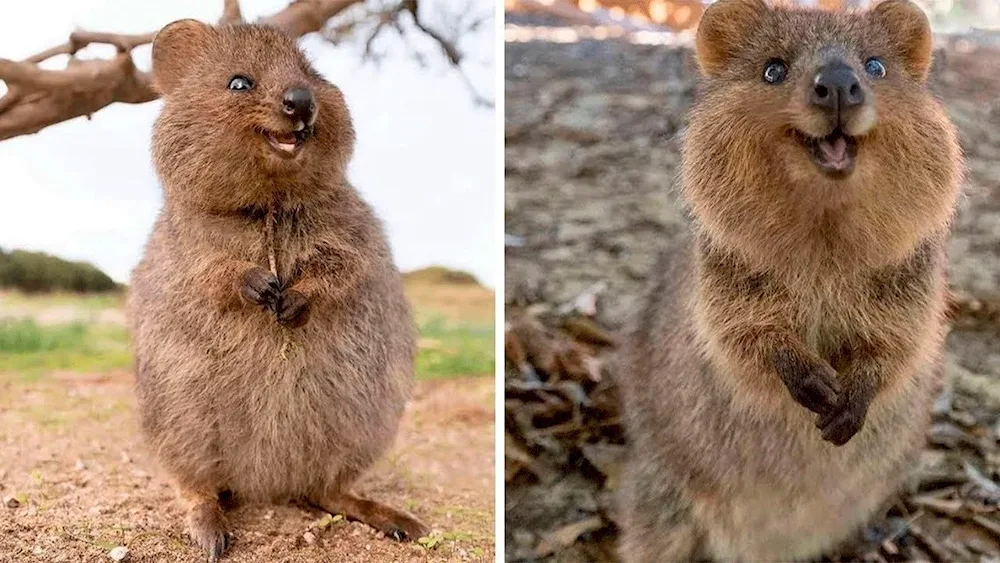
(450, 49)
(389, 18)
(308, 16)
(37, 98)
(447, 46)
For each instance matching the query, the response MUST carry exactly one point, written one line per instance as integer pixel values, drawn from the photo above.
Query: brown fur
(269, 397)
(799, 300)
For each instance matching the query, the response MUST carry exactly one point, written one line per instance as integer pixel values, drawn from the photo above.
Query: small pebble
(79, 465)
(119, 553)
(11, 502)
(309, 537)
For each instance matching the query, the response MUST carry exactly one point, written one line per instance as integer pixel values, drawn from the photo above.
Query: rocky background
(593, 131)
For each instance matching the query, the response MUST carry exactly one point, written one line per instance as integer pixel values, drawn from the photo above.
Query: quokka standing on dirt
(274, 346)
(780, 375)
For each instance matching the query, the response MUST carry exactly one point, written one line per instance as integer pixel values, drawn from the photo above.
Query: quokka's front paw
(292, 309)
(813, 384)
(260, 287)
(842, 423)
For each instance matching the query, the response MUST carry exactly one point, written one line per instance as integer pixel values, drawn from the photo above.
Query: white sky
(85, 190)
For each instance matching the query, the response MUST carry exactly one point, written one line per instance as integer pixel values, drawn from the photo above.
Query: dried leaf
(987, 524)
(983, 489)
(947, 435)
(577, 363)
(608, 459)
(567, 536)
(937, 551)
(538, 343)
(586, 330)
(950, 508)
(517, 458)
(517, 355)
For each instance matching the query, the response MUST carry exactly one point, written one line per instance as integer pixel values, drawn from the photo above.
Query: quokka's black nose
(299, 104)
(836, 88)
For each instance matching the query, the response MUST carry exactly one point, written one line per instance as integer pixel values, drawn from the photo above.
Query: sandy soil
(71, 459)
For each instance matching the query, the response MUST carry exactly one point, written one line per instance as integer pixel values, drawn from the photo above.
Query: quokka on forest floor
(779, 377)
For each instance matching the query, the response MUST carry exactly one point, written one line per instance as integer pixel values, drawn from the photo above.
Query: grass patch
(31, 349)
(448, 349)
(86, 302)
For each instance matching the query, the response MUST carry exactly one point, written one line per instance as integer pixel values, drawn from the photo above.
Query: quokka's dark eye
(240, 83)
(775, 71)
(875, 68)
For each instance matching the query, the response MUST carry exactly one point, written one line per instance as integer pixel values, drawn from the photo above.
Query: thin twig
(389, 18)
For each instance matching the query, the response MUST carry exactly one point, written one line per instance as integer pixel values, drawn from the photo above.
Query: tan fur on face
(891, 201)
(789, 273)
(203, 125)
(231, 400)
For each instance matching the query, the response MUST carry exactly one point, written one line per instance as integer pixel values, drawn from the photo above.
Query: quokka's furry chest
(828, 314)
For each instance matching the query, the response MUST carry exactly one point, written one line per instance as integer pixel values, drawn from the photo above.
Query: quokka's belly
(767, 523)
(303, 422)
(817, 494)
(278, 460)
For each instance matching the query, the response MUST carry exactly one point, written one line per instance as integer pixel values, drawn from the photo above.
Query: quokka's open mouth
(834, 154)
(288, 144)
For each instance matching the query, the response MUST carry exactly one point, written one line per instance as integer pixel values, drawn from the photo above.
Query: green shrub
(35, 272)
(440, 275)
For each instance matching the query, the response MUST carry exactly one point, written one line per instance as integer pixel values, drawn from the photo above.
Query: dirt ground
(81, 483)
(593, 132)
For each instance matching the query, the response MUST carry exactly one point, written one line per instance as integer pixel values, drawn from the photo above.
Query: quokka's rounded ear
(175, 48)
(723, 29)
(910, 33)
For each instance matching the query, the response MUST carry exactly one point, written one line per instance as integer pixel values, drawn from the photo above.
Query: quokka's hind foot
(206, 525)
(394, 523)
